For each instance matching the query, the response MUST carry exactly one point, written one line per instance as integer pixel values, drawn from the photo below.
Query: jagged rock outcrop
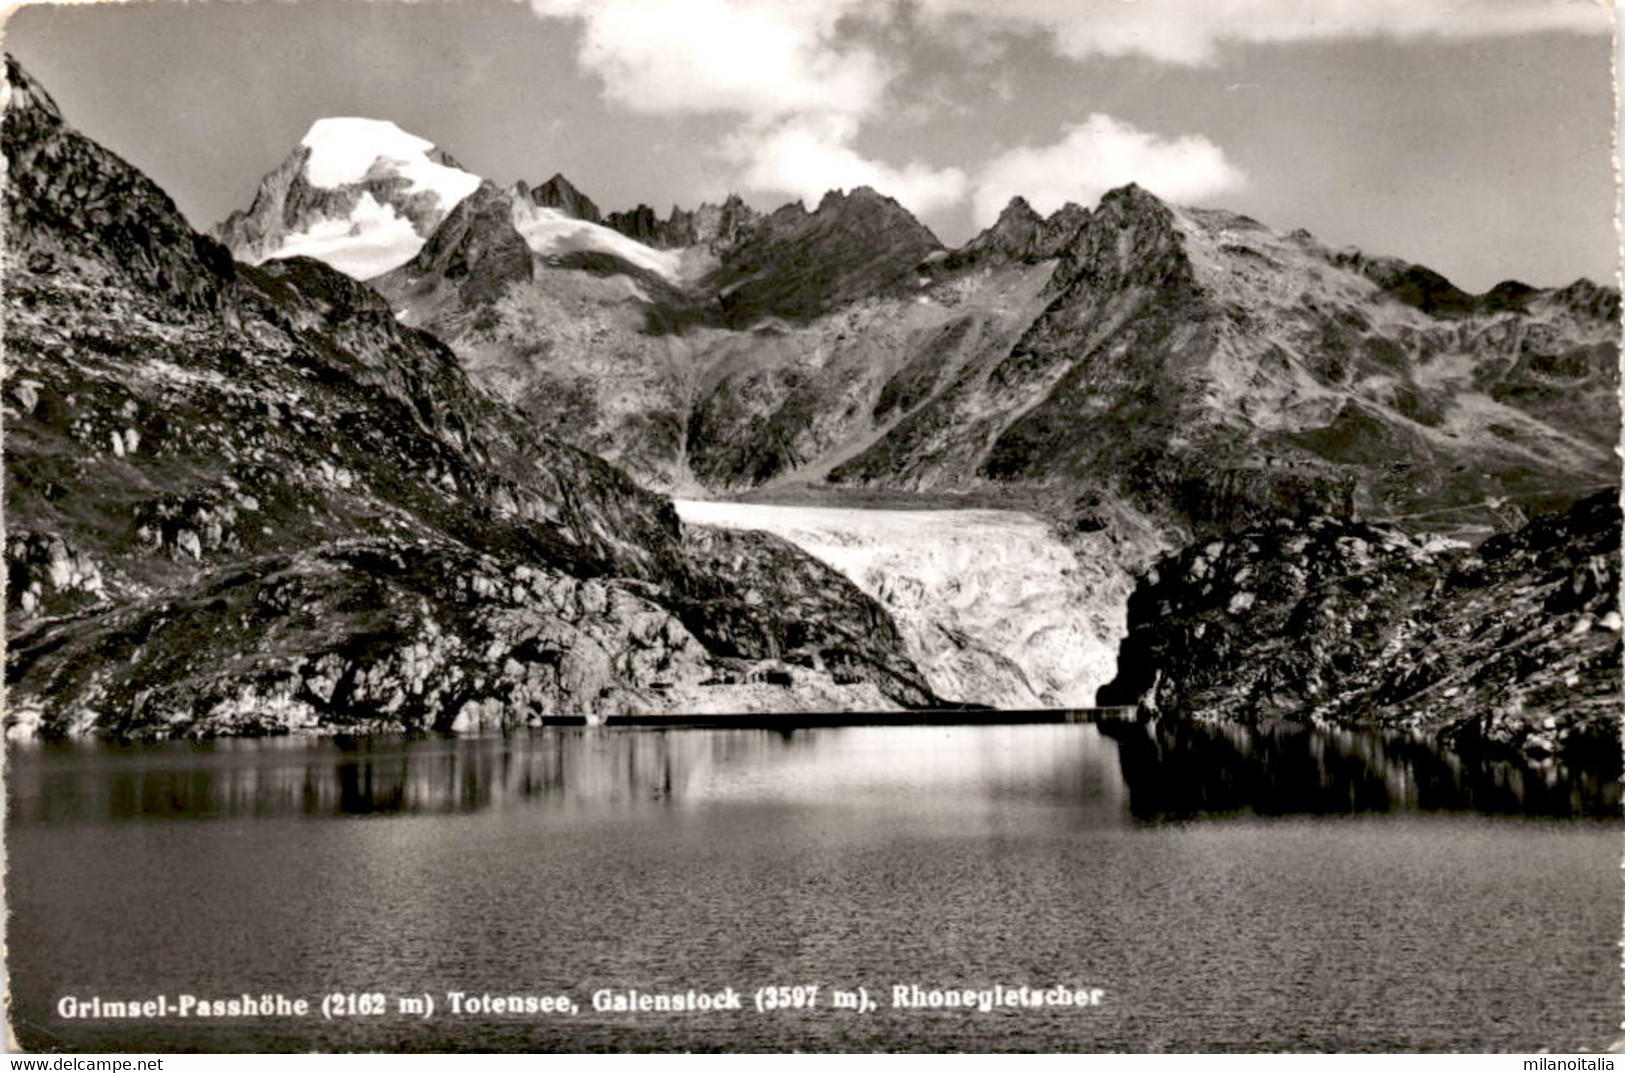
(1021, 235)
(795, 265)
(248, 499)
(716, 228)
(1515, 644)
(559, 193)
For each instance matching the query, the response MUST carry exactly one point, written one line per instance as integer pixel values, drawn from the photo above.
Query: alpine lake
(1093, 884)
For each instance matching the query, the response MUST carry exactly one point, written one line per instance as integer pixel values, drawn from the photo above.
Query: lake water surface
(1224, 888)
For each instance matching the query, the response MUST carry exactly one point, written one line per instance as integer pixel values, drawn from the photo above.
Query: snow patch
(550, 233)
(373, 239)
(346, 150)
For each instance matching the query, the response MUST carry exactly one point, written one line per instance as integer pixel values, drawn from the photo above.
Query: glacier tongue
(995, 609)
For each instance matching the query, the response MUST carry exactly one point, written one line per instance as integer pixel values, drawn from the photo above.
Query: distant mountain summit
(1020, 234)
(361, 195)
(559, 193)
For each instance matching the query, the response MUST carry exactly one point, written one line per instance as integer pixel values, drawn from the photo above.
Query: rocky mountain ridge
(1229, 372)
(1141, 376)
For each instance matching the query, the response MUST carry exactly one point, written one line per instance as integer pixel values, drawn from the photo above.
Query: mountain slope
(795, 265)
(1211, 371)
(247, 499)
(1140, 375)
(643, 365)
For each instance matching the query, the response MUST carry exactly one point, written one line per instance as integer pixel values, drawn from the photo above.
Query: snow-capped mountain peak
(361, 195)
(349, 149)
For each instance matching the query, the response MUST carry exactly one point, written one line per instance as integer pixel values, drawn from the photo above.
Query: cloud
(1182, 32)
(800, 75)
(806, 156)
(1096, 155)
(758, 58)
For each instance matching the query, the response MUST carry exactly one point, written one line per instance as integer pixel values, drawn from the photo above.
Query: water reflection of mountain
(290, 776)
(1184, 770)
(1151, 770)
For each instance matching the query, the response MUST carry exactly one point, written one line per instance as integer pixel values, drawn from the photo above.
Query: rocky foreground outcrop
(1515, 644)
(247, 499)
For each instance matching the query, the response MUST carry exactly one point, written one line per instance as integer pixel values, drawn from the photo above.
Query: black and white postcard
(812, 525)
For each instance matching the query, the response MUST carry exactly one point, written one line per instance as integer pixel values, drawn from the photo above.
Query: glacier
(370, 241)
(549, 232)
(995, 608)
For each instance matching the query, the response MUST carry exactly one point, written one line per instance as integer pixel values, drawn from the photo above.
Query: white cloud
(793, 70)
(1098, 154)
(759, 58)
(808, 156)
(1186, 32)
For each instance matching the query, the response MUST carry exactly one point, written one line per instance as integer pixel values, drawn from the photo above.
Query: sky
(1473, 136)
